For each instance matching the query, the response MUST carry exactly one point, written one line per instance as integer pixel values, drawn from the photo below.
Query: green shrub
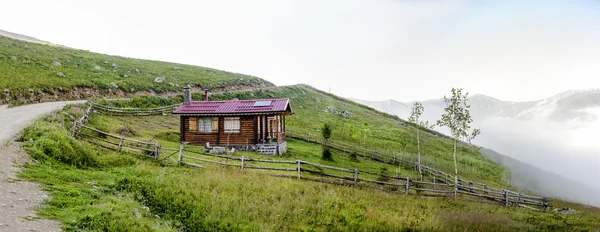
(326, 132)
(326, 153)
(354, 156)
(46, 142)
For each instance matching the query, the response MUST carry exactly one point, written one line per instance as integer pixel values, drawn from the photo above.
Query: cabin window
(205, 124)
(232, 125)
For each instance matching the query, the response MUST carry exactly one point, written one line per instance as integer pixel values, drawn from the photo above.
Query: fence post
(299, 168)
(74, 128)
(121, 143)
(355, 176)
(407, 185)
(471, 187)
(308, 137)
(485, 190)
(505, 193)
(242, 166)
(180, 158)
(520, 197)
(156, 150)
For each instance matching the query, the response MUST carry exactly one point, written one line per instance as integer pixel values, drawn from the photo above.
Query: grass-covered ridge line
(28, 74)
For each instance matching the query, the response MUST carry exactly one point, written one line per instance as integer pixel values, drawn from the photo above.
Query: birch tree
(458, 119)
(415, 115)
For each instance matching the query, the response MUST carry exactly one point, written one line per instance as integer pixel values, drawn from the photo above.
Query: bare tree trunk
(455, 171)
(419, 151)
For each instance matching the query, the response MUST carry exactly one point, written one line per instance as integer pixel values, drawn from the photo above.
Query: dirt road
(19, 199)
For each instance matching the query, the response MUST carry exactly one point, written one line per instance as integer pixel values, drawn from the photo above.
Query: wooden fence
(189, 155)
(81, 120)
(133, 111)
(118, 143)
(436, 176)
(441, 185)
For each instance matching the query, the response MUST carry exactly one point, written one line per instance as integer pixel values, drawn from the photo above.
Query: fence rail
(355, 177)
(133, 111)
(117, 143)
(464, 186)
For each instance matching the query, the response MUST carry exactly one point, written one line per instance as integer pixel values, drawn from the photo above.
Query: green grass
(119, 192)
(372, 129)
(28, 73)
(367, 127)
(100, 190)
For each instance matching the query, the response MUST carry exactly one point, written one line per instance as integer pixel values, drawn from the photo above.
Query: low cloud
(551, 147)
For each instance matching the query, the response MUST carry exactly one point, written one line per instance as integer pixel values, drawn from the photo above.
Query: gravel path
(19, 199)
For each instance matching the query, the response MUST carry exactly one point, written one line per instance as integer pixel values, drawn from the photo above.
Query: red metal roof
(235, 106)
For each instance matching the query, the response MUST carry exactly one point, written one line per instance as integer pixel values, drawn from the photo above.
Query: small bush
(326, 154)
(354, 157)
(45, 142)
(326, 132)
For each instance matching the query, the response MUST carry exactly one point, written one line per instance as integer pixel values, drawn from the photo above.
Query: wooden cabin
(244, 124)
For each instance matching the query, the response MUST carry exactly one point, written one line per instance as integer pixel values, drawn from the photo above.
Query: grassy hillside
(370, 128)
(97, 189)
(30, 72)
(366, 127)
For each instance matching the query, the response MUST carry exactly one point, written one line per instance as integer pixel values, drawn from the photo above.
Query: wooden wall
(193, 137)
(245, 136)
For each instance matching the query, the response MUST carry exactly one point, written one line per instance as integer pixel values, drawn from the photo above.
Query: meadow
(96, 189)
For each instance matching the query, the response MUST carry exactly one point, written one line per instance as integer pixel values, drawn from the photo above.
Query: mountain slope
(540, 181)
(33, 72)
(227, 198)
(21, 37)
(555, 134)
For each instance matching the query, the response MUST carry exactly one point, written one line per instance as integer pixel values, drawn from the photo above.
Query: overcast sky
(374, 50)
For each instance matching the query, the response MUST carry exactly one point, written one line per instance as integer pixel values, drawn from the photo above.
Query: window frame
(232, 120)
(204, 125)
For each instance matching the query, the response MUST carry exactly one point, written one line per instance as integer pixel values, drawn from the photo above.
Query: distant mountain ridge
(21, 37)
(558, 108)
(555, 135)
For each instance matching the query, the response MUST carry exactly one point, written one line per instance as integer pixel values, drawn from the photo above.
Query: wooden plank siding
(245, 136)
(193, 137)
(254, 129)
